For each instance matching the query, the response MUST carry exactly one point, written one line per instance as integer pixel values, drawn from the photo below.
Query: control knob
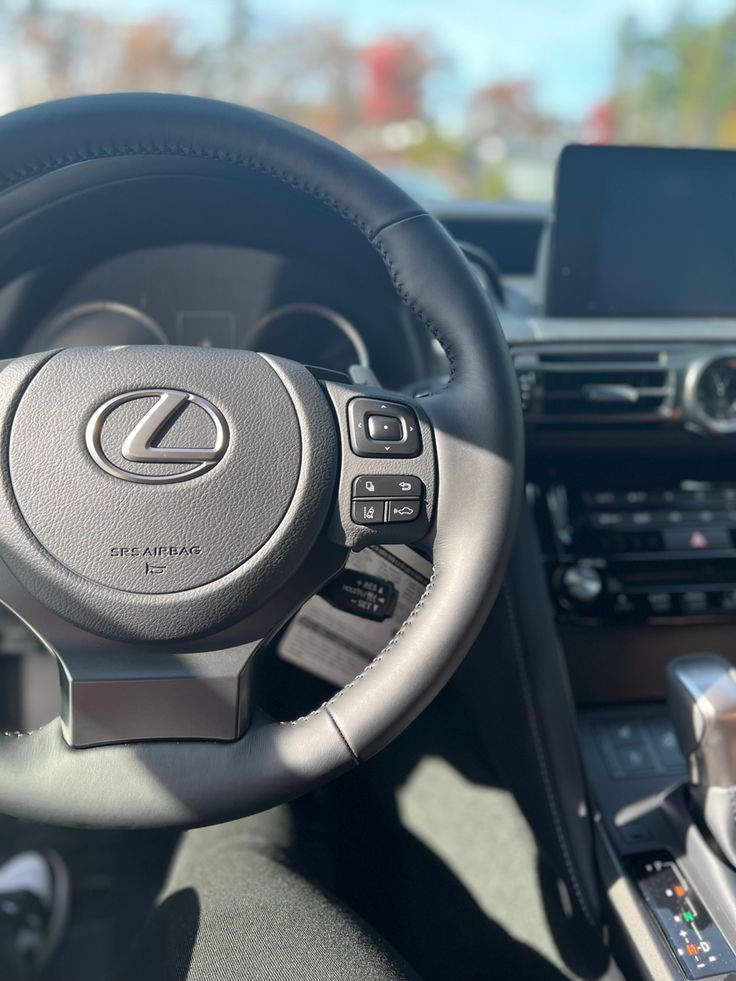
(582, 584)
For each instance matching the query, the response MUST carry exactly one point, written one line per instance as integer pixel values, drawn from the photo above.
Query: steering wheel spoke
(121, 692)
(387, 482)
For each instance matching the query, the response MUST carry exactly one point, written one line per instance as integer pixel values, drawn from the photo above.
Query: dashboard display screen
(643, 232)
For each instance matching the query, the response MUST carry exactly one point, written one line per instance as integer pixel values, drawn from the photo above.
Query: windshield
(456, 99)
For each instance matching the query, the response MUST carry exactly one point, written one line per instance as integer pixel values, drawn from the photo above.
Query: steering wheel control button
(402, 510)
(385, 485)
(369, 512)
(383, 429)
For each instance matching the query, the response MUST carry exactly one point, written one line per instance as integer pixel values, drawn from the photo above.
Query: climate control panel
(629, 555)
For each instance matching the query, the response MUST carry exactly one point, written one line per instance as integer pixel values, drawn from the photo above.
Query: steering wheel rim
(94, 153)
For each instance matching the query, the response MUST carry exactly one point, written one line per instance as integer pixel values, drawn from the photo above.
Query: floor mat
(115, 877)
(482, 838)
(438, 859)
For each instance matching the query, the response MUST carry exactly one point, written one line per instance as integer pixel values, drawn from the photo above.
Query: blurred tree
(149, 56)
(237, 53)
(307, 73)
(395, 72)
(677, 86)
(599, 125)
(509, 111)
(514, 141)
(47, 47)
(60, 53)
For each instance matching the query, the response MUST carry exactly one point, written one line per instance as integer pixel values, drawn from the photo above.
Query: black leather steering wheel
(165, 510)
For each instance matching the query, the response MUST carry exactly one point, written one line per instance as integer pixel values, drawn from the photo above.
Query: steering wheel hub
(167, 470)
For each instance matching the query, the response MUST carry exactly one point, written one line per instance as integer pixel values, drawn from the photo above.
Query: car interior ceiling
(562, 809)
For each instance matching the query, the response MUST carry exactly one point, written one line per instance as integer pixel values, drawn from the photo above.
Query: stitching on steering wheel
(41, 168)
(407, 300)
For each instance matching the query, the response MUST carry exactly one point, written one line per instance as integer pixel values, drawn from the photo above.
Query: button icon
(388, 485)
(625, 732)
(728, 600)
(403, 510)
(624, 604)
(660, 602)
(384, 428)
(695, 601)
(698, 540)
(635, 759)
(368, 512)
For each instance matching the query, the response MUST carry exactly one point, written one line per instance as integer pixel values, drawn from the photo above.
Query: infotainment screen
(643, 232)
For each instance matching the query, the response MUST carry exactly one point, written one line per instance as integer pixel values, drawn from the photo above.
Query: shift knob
(701, 694)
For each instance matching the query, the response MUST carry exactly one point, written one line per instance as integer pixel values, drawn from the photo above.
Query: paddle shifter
(701, 692)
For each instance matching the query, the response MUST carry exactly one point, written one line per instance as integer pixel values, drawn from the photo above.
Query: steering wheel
(165, 510)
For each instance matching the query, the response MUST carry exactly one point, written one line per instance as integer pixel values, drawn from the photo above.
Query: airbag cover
(170, 534)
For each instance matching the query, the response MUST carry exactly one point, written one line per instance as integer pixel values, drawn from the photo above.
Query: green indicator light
(688, 917)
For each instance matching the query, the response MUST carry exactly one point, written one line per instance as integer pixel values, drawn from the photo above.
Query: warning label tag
(336, 634)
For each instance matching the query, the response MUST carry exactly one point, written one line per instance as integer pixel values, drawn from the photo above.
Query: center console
(627, 378)
(632, 481)
(671, 889)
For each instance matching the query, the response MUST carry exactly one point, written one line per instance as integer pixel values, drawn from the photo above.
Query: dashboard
(218, 296)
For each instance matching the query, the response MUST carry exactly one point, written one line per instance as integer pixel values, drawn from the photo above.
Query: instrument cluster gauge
(312, 334)
(710, 394)
(97, 322)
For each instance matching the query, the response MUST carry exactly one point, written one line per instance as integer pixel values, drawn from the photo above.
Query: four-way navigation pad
(383, 429)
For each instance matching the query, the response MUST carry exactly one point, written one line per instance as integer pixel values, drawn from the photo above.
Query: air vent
(600, 386)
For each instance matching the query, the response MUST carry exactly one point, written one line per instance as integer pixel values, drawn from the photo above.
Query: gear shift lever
(701, 693)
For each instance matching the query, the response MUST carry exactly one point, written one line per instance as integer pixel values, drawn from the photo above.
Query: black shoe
(34, 908)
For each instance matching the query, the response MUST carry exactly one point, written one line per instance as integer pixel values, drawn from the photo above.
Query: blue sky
(566, 45)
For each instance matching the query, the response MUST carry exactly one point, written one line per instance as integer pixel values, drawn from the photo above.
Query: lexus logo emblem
(141, 445)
